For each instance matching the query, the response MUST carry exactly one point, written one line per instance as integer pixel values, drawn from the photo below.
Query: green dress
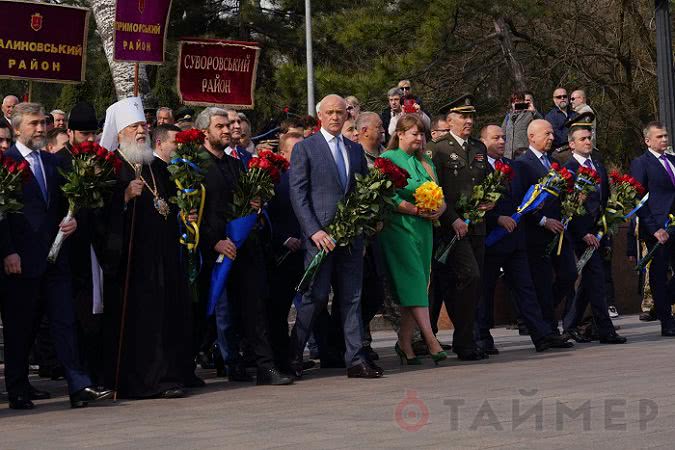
(407, 240)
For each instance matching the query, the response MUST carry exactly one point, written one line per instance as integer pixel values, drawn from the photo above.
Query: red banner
(140, 30)
(43, 42)
(214, 72)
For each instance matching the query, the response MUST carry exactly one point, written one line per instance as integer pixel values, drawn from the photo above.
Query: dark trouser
(90, 335)
(372, 298)
(517, 276)
(242, 310)
(591, 290)
(26, 300)
(457, 284)
(342, 267)
(283, 280)
(606, 254)
(550, 293)
(662, 290)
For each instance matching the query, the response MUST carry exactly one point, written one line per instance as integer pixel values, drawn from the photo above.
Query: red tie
(234, 153)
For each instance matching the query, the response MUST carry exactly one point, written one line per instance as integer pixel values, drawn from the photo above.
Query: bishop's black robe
(156, 344)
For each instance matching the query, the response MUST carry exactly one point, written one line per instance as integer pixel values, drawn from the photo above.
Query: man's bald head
(333, 113)
(540, 135)
(494, 139)
(8, 104)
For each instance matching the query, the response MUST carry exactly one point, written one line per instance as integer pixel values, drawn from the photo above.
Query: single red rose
(253, 163)
(101, 153)
(12, 168)
(23, 166)
(555, 166)
(286, 109)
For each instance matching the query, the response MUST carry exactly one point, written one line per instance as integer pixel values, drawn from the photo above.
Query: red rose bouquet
(488, 191)
(11, 176)
(92, 175)
(572, 205)
(626, 197)
(359, 213)
(187, 170)
(264, 172)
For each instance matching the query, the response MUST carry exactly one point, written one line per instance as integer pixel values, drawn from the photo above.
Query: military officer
(461, 163)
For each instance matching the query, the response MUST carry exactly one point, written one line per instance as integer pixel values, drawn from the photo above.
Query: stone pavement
(592, 397)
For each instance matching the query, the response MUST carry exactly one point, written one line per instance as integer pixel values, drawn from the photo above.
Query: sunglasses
(560, 96)
(349, 108)
(405, 88)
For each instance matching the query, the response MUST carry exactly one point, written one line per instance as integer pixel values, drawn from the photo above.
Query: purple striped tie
(668, 169)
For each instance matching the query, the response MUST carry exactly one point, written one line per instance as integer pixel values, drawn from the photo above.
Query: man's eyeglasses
(560, 97)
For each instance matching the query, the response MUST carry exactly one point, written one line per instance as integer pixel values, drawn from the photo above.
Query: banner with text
(215, 72)
(43, 42)
(140, 30)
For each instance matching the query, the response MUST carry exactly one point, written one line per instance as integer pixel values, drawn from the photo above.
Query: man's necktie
(39, 174)
(340, 163)
(546, 162)
(668, 169)
(588, 163)
(234, 153)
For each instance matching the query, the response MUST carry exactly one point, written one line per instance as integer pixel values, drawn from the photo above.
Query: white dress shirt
(332, 140)
(582, 161)
(26, 153)
(663, 163)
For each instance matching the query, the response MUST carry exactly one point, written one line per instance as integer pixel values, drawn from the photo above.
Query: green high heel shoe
(438, 357)
(415, 361)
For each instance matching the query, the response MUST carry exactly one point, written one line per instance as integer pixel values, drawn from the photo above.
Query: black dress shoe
(35, 394)
(576, 336)
(20, 402)
(491, 350)
(613, 339)
(272, 376)
(237, 372)
(193, 381)
(669, 332)
(647, 317)
(370, 353)
(363, 370)
(552, 341)
(375, 367)
(87, 395)
(172, 393)
(472, 355)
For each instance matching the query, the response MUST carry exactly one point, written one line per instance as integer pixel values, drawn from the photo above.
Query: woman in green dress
(406, 240)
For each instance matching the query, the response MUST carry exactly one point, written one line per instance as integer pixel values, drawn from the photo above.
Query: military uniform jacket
(459, 170)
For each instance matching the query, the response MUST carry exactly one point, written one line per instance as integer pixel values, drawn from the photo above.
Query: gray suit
(315, 191)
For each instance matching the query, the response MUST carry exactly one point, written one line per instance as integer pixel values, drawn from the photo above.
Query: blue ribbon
(194, 166)
(639, 205)
(237, 230)
(499, 233)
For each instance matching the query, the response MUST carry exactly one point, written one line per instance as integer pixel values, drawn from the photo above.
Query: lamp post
(311, 110)
(664, 65)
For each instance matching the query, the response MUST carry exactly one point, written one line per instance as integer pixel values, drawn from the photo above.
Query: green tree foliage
(445, 47)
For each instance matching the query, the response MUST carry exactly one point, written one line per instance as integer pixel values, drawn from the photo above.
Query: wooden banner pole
(135, 79)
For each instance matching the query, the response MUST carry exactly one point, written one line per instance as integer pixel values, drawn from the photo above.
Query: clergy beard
(136, 152)
(216, 143)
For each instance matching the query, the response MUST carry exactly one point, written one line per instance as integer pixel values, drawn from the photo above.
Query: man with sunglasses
(557, 117)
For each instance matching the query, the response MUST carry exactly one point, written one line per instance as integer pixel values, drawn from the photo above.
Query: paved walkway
(592, 397)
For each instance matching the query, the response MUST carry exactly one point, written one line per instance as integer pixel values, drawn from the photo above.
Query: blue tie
(39, 174)
(340, 163)
(546, 162)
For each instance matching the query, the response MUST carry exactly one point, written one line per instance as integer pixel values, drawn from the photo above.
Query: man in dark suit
(460, 163)
(323, 173)
(655, 170)
(241, 311)
(510, 255)
(286, 259)
(543, 225)
(8, 104)
(31, 283)
(582, 230)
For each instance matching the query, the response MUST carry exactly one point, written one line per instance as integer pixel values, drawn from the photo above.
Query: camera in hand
(521, 106)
